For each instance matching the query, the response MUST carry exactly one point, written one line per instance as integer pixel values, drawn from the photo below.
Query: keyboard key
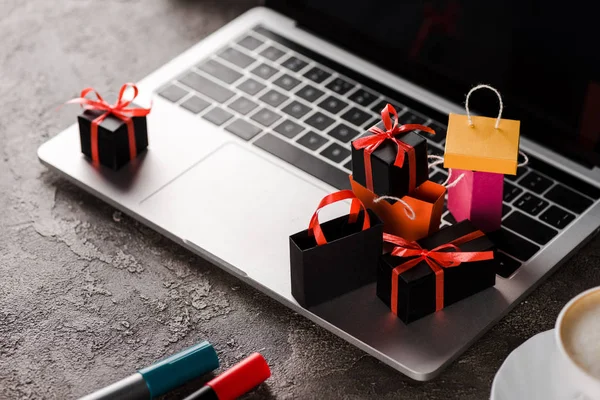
(272, 53)
(530, 203)
(520, 172)
(173, 93)
(411, 118)
(333, 104)
(243, 129)
(206, 87)
(340, 86)
(512, 244)
(363, 98)
(434, 151)
(288, 128)
(535, 182)
(564, 178)
(273, 98)
(510, 191)
(243, 105)
(265, 116)
(439, 177)
(286, 82)
(265, 71)
(303, 160)
(220, 71)
(506, 265)
(195, 104)
(336, 153)
(250, 42)
(382, 103)
(449, 218)
(251, 86)
(505, 209)
(309, 93)
(529, 227)
(296, 109)
(236, 57)
(312, 140)
(557, 217)
(356, 116)
(569, 199)
(440, 132)
(372, 122)
(316, 74)
(295, 64)
(348, 165)
(217, 116)
(319, 121)
(343, 133)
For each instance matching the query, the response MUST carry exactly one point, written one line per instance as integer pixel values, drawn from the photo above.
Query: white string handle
(499, 99)
(408, 210)
(456, 181)
(438, 160)
(525, 159)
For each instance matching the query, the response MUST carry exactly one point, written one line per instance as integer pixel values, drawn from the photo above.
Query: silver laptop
(251, 127)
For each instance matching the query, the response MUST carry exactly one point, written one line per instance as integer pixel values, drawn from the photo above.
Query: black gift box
(389, 180)
(416, 287)
(346, 262)
(113, 138)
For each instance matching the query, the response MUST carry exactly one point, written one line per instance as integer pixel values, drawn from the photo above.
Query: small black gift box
(345, 262)
(387, 178)
(418, 289)
(114, 149)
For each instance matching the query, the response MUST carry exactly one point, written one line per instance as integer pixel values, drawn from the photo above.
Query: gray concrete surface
(87, 295)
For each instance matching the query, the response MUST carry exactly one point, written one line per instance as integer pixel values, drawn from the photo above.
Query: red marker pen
(239, 379)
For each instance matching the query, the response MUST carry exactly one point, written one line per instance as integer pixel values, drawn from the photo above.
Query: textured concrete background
(87, 295)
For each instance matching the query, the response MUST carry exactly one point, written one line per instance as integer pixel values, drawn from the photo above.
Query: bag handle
(499, 100)
(314, 228)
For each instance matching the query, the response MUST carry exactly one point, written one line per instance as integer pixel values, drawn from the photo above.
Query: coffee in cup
(578, 339)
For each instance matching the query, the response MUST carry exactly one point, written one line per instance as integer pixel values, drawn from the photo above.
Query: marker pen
(162, 376)
(239, 379)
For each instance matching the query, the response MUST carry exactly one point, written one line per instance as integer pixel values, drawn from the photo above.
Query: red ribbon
(436, 258)
(372, 142)
(119, 110)
(314, 228)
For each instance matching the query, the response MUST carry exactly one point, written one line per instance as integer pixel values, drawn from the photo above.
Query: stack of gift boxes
(424, 269)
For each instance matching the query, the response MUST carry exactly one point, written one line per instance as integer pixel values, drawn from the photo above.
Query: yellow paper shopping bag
(480, 143)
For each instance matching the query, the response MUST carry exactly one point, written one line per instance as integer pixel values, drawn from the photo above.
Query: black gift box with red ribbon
(391, 159)
(112, 134)
(347, 261)
(113, 138)
(416, 287)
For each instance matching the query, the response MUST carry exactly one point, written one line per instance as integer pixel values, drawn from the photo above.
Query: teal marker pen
(162, 376)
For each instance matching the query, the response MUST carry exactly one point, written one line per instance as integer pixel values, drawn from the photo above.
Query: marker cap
(241, 378)
(171, 372)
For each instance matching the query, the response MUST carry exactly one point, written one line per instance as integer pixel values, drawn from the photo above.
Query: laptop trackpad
(240, 208)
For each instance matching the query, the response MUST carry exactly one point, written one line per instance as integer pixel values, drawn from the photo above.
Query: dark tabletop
(88, 295)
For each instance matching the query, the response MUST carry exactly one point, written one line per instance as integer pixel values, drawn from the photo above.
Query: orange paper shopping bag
(426, 202)
(480, 143)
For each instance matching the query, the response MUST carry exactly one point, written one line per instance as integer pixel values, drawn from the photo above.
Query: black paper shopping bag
(338, 256)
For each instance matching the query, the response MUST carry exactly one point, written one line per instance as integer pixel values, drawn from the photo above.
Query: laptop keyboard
(305, 109)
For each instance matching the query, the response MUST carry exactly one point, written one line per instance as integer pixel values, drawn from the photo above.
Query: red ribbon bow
(372, 142)
(119, 110)
(436, 258)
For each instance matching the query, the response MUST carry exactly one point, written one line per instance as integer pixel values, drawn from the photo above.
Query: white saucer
(534, 371)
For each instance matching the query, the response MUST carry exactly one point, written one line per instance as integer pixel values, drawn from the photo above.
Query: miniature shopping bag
(338, 256)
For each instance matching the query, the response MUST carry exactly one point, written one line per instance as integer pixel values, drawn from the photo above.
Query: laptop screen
(541, 55)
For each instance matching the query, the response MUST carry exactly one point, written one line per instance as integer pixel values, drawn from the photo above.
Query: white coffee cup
(576, 373)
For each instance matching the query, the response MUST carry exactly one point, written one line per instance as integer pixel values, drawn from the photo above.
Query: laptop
(251, 127)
